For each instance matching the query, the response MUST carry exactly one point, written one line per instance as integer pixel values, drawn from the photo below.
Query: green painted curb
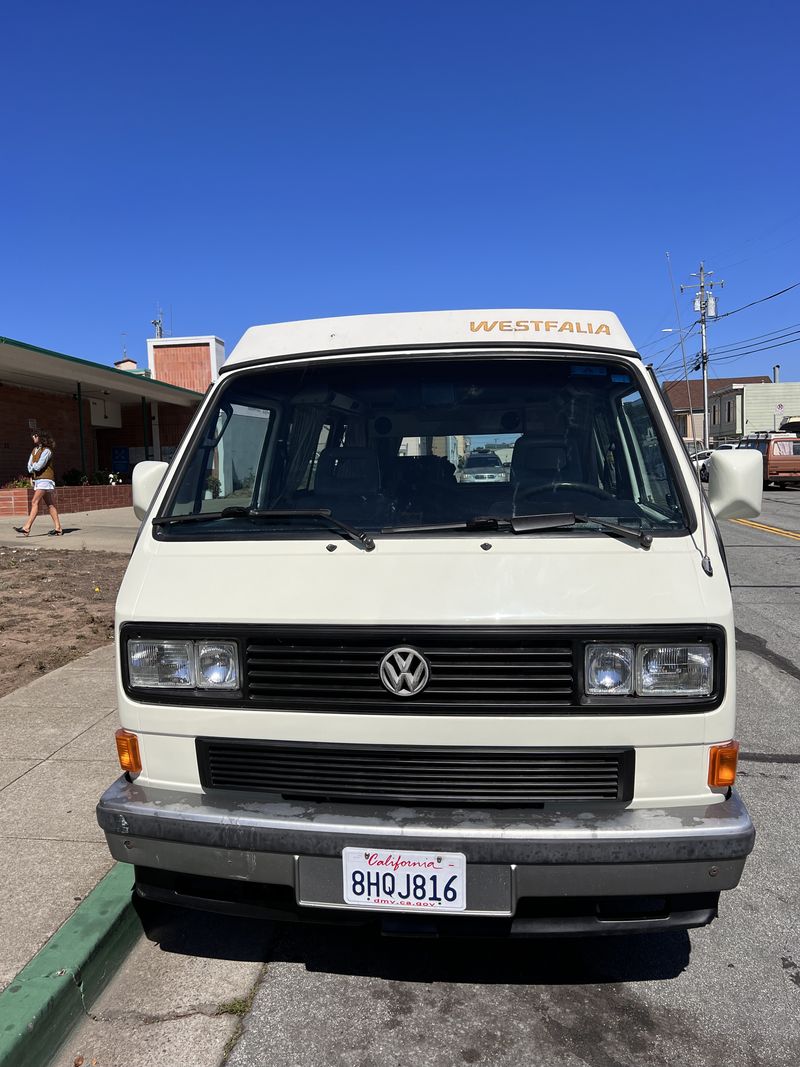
(48, 996)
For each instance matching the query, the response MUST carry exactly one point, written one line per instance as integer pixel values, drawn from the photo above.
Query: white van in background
(353, 687)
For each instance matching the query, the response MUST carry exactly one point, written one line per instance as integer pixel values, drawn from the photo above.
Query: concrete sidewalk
(57, 755)
(66, 922)
(109, 530)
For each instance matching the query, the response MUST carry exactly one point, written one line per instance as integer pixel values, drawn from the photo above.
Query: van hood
(527, 579)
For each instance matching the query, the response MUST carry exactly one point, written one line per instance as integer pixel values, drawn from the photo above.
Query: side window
(637, 428)
(227, 464)
(236, 460)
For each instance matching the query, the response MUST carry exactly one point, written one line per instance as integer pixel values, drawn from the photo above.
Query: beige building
(743, 408)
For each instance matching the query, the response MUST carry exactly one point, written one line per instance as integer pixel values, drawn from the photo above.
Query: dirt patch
(54, 607)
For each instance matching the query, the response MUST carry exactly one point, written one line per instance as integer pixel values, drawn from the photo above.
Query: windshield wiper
(644, 539)
(515, 523)
(520, 524)
(668, 513)
(211, 516)
(269, 514)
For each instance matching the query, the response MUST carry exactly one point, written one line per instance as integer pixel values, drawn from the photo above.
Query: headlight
(684, 670)
(161, 664)
(660, 670)
(217, 665)
(183, 664)
(609, 670)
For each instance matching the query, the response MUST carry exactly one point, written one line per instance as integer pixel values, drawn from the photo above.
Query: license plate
(418, 881)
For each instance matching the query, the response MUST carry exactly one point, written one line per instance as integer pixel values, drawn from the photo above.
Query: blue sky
(251, 162)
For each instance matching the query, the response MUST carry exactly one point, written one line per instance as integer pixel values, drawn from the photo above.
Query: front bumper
(514, 858)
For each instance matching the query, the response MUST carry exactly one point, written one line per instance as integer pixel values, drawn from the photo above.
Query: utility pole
(705, 304)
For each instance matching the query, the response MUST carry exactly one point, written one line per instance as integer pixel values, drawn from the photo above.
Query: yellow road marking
(768, 529)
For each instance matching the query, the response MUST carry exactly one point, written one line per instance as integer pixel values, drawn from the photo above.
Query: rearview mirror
(147, 477)
(735, 483)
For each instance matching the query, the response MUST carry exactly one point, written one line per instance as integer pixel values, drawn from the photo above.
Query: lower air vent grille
(417, 775)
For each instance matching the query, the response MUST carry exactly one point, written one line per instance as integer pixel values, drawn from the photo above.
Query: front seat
(540, 463)
(348, 481)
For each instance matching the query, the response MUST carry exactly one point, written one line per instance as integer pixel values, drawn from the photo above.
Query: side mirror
(147, 477)
(735, 483)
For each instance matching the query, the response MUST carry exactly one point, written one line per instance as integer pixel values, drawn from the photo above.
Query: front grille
(417, 775)
(470, 670)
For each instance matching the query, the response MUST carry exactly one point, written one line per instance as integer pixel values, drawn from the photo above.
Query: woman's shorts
(44, 483)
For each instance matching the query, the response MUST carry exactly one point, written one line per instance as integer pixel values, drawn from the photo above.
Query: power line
(752, 351)
(670, 347)
(725, 357)
(674, 348)
(737, 349)
(759, 236)
(763, 299)
(762, 255)
(725, 353)
(782, 331)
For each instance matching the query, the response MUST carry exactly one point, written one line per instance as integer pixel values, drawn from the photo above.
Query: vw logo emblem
(404, 672)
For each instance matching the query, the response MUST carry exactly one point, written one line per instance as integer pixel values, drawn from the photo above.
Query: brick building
(685, 398)
(188, 362)
(102, 418)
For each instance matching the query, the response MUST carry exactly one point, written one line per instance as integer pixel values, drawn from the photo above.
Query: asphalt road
(728, 993)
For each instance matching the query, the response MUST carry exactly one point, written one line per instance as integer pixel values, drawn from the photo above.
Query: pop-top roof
(515, 326)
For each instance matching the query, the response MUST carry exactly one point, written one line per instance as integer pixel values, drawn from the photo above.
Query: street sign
(779, 409)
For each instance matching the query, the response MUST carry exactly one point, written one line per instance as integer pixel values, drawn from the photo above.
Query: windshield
(396, 442)
(760, 445)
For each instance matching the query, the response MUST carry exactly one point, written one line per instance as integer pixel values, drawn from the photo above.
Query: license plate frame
(381, 879)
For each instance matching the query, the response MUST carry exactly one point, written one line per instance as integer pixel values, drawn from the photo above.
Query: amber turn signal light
(128, 751)
(722, 764)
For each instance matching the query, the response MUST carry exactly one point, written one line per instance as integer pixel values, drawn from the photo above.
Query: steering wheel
(555, 487)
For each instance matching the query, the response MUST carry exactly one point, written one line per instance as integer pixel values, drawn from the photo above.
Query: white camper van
(356, 687)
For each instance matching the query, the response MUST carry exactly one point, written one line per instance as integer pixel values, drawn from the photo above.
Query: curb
(52, 992)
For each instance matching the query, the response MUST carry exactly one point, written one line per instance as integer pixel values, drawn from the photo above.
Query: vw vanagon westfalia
(355, 685)
(780, 457)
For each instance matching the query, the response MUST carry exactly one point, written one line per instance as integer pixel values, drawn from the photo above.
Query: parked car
(699, 462)
(700, 459)
(483, 465)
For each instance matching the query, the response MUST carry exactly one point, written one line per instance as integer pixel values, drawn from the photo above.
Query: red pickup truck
(781, 459)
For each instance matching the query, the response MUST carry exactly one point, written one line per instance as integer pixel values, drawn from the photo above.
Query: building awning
(39, 368)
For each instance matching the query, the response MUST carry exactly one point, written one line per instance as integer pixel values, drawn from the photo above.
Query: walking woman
(42, 472)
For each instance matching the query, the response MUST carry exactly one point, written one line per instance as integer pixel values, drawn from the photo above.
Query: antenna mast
(158, 322)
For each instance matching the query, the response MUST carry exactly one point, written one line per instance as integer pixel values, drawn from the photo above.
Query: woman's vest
(49, 471)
